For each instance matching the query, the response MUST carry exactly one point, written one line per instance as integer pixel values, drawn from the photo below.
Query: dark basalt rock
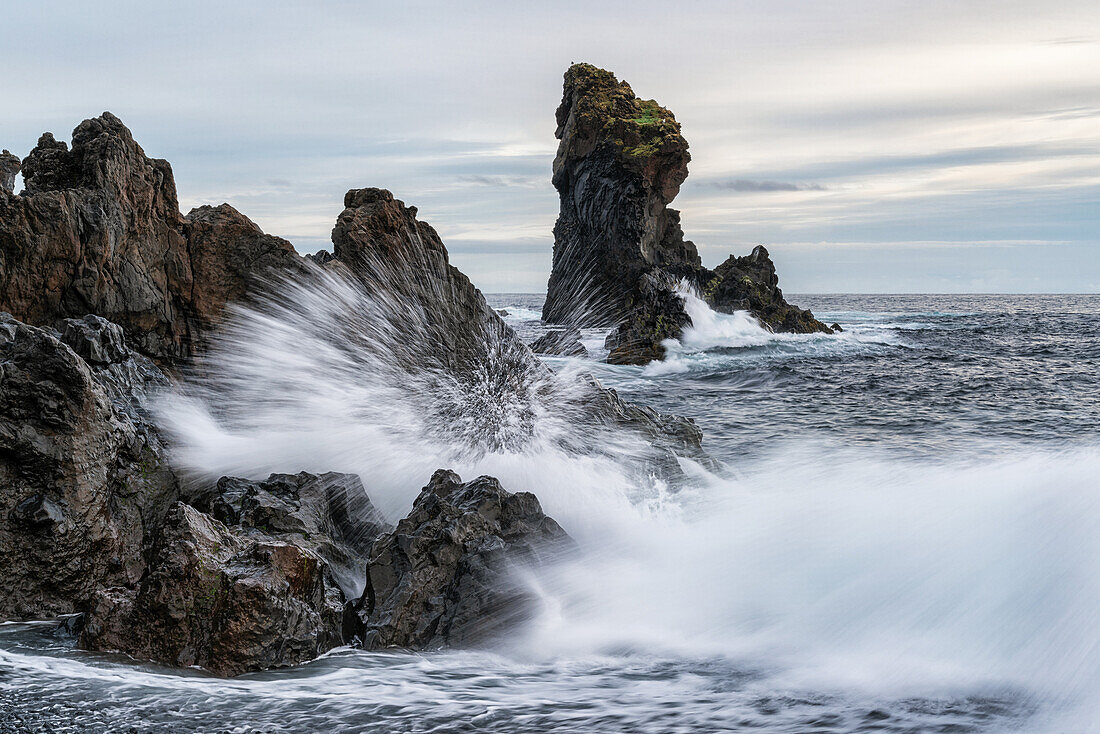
(328, 514)
(447, 574)
(95, 339)
(561, 342)
(480, 361)
(321, 257)
(83, 476)
(657, 314)
(98, 230)
(750, 284)
(9, 169)
(221, 599)
(620, 162)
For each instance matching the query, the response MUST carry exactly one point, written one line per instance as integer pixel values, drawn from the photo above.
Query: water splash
(820, 571)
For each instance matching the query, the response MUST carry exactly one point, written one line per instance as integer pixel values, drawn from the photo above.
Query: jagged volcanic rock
(9, 169)
(83, 476)
(564, 342)
(620, 162)
(221, 599)
(446, 575)
(250, 575)
(98, 230)
(492, 382)
(617, 244)
(329, 514)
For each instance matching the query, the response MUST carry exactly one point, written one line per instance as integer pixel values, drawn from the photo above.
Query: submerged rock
(220, 599)
(98, 230)
(83, 476)
(562, 342)
(450, 572)
(619, 250)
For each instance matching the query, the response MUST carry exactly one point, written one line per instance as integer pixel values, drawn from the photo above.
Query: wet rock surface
(105, 276)
(450, 573)
(560, 342)
(489, 383)
(619, 250)
(220, 599)
(329, 514)
(83, 473)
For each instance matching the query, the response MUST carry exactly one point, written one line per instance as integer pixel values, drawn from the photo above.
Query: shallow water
(904, 540)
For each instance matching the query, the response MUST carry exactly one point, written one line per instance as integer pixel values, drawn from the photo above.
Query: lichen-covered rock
(98, 230)
(83, 476)
(620, 162)
(329, 514)
(450, 572)
(560, 342)
(220, 599)
(619, 250)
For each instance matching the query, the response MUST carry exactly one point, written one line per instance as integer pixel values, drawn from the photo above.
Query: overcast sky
(872, 145)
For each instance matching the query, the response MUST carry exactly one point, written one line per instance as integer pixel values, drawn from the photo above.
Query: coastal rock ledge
(619, 250)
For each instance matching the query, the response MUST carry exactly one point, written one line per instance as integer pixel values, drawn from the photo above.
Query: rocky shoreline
(108, 296)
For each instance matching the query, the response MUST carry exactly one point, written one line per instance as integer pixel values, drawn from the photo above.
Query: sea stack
(619, 251)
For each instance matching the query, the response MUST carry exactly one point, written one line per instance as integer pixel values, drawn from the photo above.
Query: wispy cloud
(500, 181)
(748, 185)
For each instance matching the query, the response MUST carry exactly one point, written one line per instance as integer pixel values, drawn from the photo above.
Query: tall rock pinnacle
(620, 162)
(619, 251)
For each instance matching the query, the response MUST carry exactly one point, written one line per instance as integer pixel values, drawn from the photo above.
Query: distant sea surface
(904, 539)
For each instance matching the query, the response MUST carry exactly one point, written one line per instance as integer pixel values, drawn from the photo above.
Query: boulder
(327, 514)
(98, 230)
(620, 162)
(561, 342)
(220, 599)
(451, 572)
(83, 475)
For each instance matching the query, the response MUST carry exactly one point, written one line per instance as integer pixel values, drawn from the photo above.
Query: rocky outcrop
(657, 314)
(450, 572)
(328, 514)
(250, 575)
(489, 386)
(749, 283)
(560, 342)
(620, 162)
(617, 243)
(83, 476)
(9, 169)
(220, 599)
(98, 230)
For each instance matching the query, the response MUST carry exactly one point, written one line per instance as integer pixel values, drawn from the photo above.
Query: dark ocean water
(904, 539)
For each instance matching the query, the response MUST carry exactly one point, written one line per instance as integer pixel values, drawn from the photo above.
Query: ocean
(903, 537)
